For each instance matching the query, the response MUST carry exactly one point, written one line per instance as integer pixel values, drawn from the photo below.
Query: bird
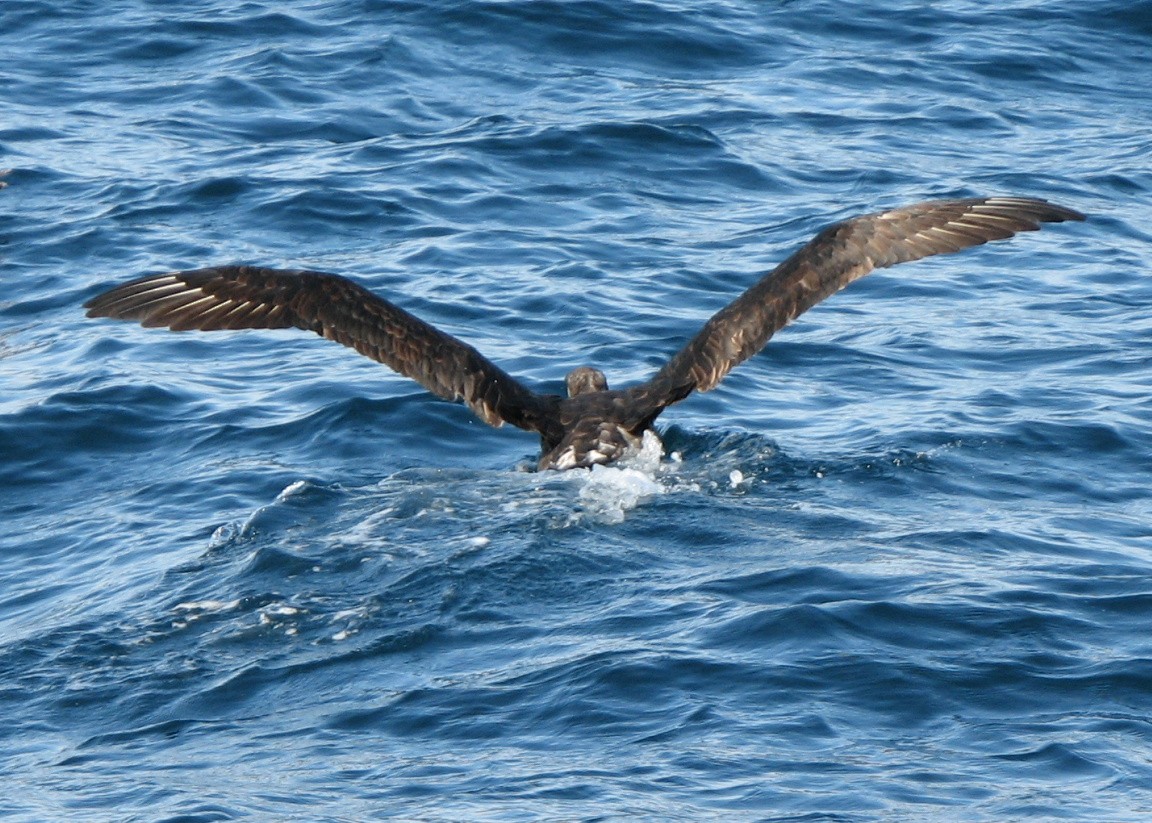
(593, 425)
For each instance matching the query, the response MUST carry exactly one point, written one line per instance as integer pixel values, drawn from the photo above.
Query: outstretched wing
(838, 255)
(247, 297)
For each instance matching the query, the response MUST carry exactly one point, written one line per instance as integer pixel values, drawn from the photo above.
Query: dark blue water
(897, 567)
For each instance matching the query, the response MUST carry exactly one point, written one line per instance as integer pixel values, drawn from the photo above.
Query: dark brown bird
(593, 424)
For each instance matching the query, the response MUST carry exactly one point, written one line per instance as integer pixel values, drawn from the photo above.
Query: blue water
(897, 567)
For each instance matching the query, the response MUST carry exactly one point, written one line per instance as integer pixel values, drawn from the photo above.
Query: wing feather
(249, 297)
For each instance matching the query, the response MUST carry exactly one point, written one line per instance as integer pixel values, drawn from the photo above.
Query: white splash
(610, 491)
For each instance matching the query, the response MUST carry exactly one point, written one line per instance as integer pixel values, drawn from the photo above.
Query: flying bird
(593, 424)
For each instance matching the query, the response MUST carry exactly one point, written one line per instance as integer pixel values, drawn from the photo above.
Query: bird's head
(586, 379)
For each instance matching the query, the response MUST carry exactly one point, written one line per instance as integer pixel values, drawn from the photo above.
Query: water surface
(894, 568)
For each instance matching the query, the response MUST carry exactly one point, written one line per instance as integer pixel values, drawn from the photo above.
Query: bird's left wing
(835, 257)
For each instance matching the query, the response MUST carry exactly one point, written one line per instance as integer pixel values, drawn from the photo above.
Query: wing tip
(1037, 208)
(125, 302)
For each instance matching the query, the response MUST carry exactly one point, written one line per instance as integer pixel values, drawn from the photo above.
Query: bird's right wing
(249, 297)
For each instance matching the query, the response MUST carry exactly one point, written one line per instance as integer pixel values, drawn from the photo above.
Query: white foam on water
(196, 608)
(292, 489)
(347, 614)
(281, 610)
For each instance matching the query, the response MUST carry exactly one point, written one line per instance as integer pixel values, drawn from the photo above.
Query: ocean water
(896, 567)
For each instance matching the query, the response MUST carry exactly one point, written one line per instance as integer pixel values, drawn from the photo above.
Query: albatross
(593, 424)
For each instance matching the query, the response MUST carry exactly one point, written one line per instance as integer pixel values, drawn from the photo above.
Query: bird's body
(593, 424)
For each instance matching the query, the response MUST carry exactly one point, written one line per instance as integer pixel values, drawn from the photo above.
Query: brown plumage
(593, 424)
